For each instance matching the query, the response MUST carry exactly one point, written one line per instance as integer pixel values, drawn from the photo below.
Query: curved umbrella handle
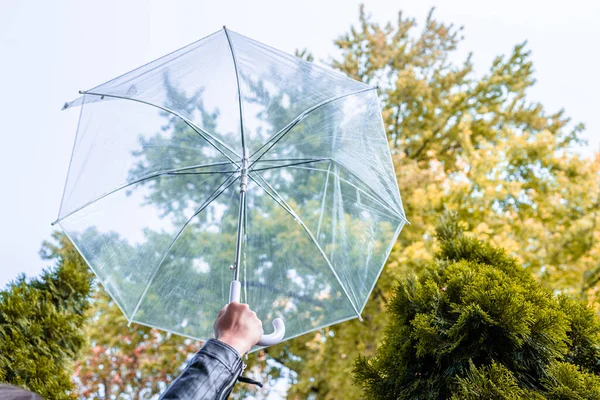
(278, 324)
(276, 336)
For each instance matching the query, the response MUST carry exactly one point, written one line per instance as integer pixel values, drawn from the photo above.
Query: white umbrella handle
(278, 325)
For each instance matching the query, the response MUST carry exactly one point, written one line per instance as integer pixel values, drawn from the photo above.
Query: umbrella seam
(299, 220)
(159, 58)
(374, 198)
(210, 199)
(385, 203)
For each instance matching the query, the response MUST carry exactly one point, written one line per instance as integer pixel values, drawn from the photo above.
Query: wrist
(241, 346)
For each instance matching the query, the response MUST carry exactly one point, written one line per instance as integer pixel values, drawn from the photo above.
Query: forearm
(211, 374)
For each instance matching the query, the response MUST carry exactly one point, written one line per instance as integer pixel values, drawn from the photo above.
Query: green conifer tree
(41, 322)
(476, 325)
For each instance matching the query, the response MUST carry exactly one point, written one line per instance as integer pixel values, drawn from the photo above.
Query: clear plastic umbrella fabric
(152, 194)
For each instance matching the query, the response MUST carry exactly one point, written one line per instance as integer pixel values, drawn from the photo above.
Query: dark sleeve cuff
(210, 374)
(222, 352)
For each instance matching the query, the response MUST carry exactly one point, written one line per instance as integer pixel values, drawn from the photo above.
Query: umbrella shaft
(238, 249)
(241, 216)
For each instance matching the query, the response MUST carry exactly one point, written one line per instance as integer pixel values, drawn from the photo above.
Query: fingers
(235, 308)
(239, 306)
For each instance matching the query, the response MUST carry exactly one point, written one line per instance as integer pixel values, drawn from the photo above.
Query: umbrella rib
(291, 165)
(279, 135)
(239, 89)
(278, 199)
(201, 173)
(293, 159)
(323, 200)
(201, 132)
(171, 172)
(214, 195)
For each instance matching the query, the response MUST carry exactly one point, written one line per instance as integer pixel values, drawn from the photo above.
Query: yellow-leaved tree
(467, 142)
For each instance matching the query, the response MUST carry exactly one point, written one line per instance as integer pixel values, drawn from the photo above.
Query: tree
(127, 362)
(41, 323)
(116, 361)
(471, 143)
(475, 324)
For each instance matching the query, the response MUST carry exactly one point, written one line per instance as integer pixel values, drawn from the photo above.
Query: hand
(238, 326)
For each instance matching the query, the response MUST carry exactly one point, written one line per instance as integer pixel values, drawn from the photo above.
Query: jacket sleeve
(211, 374)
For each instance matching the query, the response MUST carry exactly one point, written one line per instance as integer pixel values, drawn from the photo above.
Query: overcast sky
(51, 49)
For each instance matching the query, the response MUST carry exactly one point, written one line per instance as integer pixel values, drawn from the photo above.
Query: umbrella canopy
(227, 154)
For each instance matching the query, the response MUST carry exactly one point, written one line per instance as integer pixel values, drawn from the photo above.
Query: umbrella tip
(81, 92)
(224, 28)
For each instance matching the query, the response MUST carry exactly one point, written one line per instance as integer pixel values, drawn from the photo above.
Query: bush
(41, 324)
(475, 324)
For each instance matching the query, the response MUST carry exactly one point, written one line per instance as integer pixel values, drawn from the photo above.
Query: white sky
(51, 49)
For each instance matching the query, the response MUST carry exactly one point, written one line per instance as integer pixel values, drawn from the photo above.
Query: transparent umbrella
(228, 160)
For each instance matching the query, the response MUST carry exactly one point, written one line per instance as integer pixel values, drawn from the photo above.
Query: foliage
(492, 381)
(41, 323)
(475, 324)
(127, 362)
(116, 360)
(470, 143)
